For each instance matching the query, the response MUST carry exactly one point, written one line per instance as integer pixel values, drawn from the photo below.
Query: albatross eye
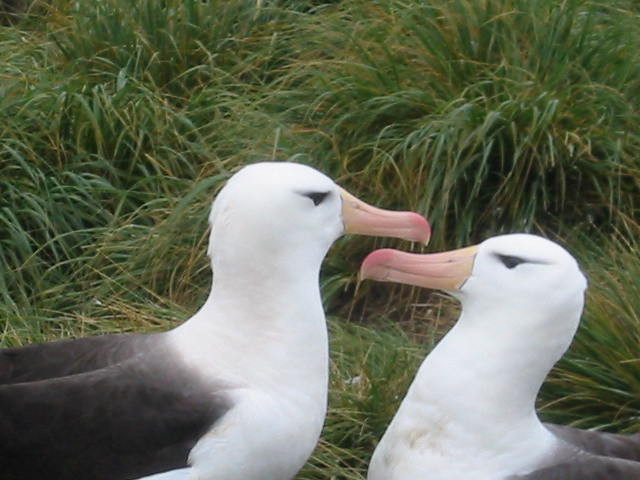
(510, 261)
(316, 197)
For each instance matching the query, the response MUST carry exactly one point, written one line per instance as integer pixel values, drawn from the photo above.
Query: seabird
(237, 392)
(470, 412)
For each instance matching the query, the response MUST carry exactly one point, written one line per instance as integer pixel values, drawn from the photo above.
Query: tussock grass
(174, 45)
(488, 116)
(597, 384)
(371, 368)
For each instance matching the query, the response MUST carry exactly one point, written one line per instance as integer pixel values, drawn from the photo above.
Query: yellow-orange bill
(443, 271)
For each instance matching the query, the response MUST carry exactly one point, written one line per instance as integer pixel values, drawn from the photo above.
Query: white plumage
(470, 411)
(237, 392)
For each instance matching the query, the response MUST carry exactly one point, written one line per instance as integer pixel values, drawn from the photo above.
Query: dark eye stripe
(316, 197)
(510, 261)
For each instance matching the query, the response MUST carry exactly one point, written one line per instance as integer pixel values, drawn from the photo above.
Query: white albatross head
(273, 213)
(505, 275)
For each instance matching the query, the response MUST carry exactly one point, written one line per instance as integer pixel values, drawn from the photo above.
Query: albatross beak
(443, 271)
(362, 218)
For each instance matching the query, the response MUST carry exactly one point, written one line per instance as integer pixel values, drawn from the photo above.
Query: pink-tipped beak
(443, 271)
(361, 218)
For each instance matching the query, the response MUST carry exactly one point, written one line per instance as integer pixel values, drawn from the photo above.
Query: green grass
(597, 384)
(369, 366)
(119, 122)
(488, 115)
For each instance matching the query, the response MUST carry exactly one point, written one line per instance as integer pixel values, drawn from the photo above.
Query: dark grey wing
(121, 422)
(600, 443)
(40, 361)
(586, 467)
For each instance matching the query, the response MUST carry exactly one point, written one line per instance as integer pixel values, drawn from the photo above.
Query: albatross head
(522, 271)
(515, 269)
(272, 211)
(510, 284)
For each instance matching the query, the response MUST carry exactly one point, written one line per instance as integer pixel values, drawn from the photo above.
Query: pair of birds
(239, 391)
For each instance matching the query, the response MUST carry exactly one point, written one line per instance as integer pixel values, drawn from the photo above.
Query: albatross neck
(261, 326)
(487, 371)
(277, 294)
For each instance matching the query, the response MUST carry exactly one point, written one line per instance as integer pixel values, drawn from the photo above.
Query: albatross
(238, 391)
(470, 412)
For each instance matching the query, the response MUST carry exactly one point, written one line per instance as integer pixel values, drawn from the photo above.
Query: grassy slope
(118, 125)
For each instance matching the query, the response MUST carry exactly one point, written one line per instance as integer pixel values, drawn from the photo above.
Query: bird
(239, 390)
(469, 413)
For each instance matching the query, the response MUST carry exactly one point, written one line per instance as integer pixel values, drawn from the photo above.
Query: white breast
(427, 443)
(263, 437)
(276, 379)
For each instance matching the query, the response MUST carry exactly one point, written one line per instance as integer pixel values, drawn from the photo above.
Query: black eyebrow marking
(316, 197)
(512, 261)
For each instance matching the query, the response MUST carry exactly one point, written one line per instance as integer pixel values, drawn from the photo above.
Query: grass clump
(177, 45)
(488, 116)
(371, 368)
(597, 383)
(95, 152)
